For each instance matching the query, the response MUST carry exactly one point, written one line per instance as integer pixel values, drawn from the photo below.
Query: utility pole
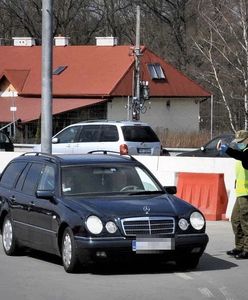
(47, 50)
(137, 54)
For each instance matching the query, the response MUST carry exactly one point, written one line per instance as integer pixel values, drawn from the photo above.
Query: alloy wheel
(7, 235)
(67, 250)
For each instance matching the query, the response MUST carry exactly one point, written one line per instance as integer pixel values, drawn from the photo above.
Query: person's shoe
(242, 255)
(234, 252)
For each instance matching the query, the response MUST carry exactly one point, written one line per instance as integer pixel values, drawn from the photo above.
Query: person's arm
(234, 153)
(237, 154)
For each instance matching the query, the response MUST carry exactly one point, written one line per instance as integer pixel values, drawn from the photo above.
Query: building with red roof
(95, 82)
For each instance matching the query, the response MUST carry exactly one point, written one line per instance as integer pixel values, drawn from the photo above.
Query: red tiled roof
(29, 109)
(92, 71)
(16, 77)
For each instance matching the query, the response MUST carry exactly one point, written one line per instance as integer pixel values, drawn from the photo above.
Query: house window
(156, 71)
(59, 70)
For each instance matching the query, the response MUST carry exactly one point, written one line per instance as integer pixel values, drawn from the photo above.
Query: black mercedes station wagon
(96, 206)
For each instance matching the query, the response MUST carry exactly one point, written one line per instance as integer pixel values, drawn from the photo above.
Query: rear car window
(11, 174)
(98, 133)
(31, 180)
(139, 134)
(109, 133)
(89, 133)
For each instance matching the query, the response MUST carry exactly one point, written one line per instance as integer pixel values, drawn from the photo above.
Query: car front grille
(148, 226)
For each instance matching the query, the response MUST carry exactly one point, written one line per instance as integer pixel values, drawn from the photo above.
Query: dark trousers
(239, 221)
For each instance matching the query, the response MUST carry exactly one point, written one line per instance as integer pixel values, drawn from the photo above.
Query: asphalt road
(41, 276)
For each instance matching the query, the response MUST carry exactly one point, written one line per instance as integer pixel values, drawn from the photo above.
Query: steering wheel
(129, 188)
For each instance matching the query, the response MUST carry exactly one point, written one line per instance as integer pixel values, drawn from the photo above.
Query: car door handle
(31, 203)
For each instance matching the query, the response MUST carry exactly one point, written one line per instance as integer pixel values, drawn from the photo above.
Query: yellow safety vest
(241, 180)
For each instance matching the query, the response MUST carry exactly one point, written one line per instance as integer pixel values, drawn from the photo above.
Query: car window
(68, 135)
(47, 181)
(11, 173)
(3, 138)
(32, 178)
(109, 133)
(89, 133)
(106, 179)
(139, 134)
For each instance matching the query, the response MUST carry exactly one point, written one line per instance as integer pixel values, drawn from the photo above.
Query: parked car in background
(5, 142)
(125, 137)
(210, 148)
(96, 206)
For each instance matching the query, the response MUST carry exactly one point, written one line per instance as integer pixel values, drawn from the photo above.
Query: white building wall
(173, 114)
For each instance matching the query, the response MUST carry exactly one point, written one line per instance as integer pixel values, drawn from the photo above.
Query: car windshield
(213, 143)
(107, 179)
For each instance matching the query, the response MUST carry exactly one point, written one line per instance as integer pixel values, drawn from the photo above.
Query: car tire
(187, 262)
(8, 237)
(69, 253)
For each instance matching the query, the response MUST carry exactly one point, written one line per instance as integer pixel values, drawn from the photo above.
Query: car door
(10, 187)
(66, 140)
(88, 139)
(40, 217)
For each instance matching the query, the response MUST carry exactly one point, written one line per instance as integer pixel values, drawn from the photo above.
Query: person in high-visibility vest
(238, 149)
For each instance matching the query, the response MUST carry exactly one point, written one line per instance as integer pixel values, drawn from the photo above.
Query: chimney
(24, 41)
(61, 41)
(106, 41)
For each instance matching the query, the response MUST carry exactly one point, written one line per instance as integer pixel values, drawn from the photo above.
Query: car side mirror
(44, 194)
(171, 189)
(55, 140)
(203, 149)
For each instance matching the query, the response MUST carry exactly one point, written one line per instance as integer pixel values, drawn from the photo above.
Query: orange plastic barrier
(207, 192)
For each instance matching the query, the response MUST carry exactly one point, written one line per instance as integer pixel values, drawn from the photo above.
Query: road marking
(184, 276)
(206, 292)
(224, 292)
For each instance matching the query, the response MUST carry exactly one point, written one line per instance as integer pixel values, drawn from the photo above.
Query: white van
(125, 137)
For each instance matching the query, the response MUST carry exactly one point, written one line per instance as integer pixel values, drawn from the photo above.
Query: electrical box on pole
(137, 54)
(140, 89)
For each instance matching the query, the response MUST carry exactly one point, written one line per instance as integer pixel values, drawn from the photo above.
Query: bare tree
(172, 19)
(223, 42)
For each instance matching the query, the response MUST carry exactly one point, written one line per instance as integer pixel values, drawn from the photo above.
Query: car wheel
(69, 252)
(8, 237)
(188, 262)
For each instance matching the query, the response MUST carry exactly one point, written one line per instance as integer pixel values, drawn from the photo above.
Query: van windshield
(139, 134)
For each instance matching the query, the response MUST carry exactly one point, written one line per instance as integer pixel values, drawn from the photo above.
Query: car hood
(131, 206)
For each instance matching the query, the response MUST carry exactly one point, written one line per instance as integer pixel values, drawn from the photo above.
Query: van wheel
(8, 237)
(70, 259)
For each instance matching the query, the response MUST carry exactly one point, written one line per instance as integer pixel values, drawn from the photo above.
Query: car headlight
(94, 224)
(111, 227)
(197, 220)
(183, 224)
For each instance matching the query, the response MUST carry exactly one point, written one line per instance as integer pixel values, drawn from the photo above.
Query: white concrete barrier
(166, 168)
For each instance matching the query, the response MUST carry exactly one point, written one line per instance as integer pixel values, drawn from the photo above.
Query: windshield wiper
(146, 192)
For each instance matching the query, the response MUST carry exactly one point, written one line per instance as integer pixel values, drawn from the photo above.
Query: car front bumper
(184, 243)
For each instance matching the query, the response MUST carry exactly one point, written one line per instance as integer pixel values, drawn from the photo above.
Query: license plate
(144, 150)
(152, 244)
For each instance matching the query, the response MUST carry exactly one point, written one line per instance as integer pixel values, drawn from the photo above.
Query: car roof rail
(111, 152)
(45, 155)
